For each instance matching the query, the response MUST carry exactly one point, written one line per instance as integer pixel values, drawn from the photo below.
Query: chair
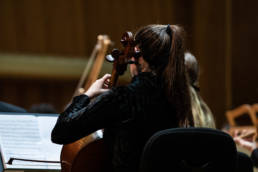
(241, 112)
(255, 111)
(190, 150)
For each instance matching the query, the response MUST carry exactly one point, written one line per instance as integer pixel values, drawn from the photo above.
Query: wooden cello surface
(90, 153)
(84, 155)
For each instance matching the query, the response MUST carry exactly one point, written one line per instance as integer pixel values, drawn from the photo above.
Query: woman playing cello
(157, 98)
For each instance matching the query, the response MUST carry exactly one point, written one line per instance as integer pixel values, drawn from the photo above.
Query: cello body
(92, 156)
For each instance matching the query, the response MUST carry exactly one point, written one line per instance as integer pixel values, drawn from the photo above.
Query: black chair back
(189, 150)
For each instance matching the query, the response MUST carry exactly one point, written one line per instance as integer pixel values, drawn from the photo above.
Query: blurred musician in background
(202, 114)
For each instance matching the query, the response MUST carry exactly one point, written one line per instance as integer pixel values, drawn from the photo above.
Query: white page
(52, 151)
(28, 137)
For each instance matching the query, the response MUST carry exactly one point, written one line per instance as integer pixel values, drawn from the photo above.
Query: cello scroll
(121, 58)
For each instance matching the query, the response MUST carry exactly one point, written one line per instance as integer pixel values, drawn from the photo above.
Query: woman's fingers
(106, 80)
(106, 76)
(98, 86)
(81, 90)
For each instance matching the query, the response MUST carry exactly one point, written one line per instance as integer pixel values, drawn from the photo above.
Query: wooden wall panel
(60, 27)
(26, 92)
(209, 48)
(70, 28)
(29, 26)
(244, 54)
(8, 26)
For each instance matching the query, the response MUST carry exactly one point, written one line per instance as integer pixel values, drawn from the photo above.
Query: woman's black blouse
(128, 114)
(254, 157)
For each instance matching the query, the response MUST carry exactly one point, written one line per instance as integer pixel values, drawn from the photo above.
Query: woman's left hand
(99, 86)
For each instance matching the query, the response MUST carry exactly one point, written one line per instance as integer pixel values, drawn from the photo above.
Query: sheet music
(28, 137)
(52, 151)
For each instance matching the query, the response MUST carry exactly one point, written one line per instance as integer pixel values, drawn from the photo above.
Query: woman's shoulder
(142, 84)
(145, 80)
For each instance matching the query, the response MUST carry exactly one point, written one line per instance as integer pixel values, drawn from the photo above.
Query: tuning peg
(114, 55)
(110, 58)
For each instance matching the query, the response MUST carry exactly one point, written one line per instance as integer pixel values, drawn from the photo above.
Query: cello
(91, 154)
(69, 152)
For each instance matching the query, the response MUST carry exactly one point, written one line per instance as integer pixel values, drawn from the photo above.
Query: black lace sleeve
(83, 117)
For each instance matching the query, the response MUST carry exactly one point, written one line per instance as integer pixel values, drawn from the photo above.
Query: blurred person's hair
(202, 114)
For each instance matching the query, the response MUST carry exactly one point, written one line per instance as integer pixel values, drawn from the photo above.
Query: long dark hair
(162, 47)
